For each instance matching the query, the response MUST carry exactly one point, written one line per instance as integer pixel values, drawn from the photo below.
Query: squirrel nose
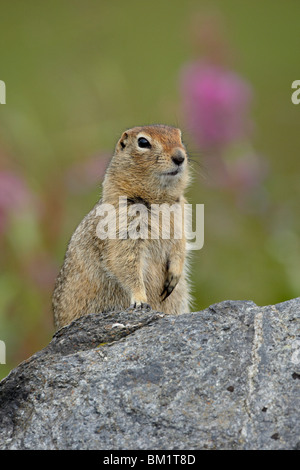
(178, 157)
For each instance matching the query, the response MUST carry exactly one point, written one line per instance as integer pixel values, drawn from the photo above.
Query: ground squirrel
(149, 167)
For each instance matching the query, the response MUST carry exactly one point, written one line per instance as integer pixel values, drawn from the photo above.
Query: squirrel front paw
(169, 285)
(139, 301)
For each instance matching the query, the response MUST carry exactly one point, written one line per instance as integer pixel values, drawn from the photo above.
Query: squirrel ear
(123, 140)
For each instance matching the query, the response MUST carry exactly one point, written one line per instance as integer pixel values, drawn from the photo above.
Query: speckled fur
(100, 275)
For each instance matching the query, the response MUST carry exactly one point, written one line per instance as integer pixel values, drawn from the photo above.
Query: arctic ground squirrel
(129, 261)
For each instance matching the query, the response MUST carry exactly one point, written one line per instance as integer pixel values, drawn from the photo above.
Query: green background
(77, 74)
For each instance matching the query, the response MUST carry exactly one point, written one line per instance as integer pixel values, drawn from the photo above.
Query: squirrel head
(149, 162)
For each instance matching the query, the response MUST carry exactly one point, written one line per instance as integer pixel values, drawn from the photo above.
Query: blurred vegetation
(77, 74)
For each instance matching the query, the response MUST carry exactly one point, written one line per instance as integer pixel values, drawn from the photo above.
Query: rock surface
(224, 378)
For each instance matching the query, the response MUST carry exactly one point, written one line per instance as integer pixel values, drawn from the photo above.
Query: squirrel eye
(144, 143)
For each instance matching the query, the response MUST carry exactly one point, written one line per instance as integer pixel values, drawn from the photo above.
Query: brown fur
(101, 275)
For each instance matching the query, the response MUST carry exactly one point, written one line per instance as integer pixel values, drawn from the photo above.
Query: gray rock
(224, 378)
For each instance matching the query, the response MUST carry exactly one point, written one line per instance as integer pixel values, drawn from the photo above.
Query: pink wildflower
(14, 196)
(216, 105)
